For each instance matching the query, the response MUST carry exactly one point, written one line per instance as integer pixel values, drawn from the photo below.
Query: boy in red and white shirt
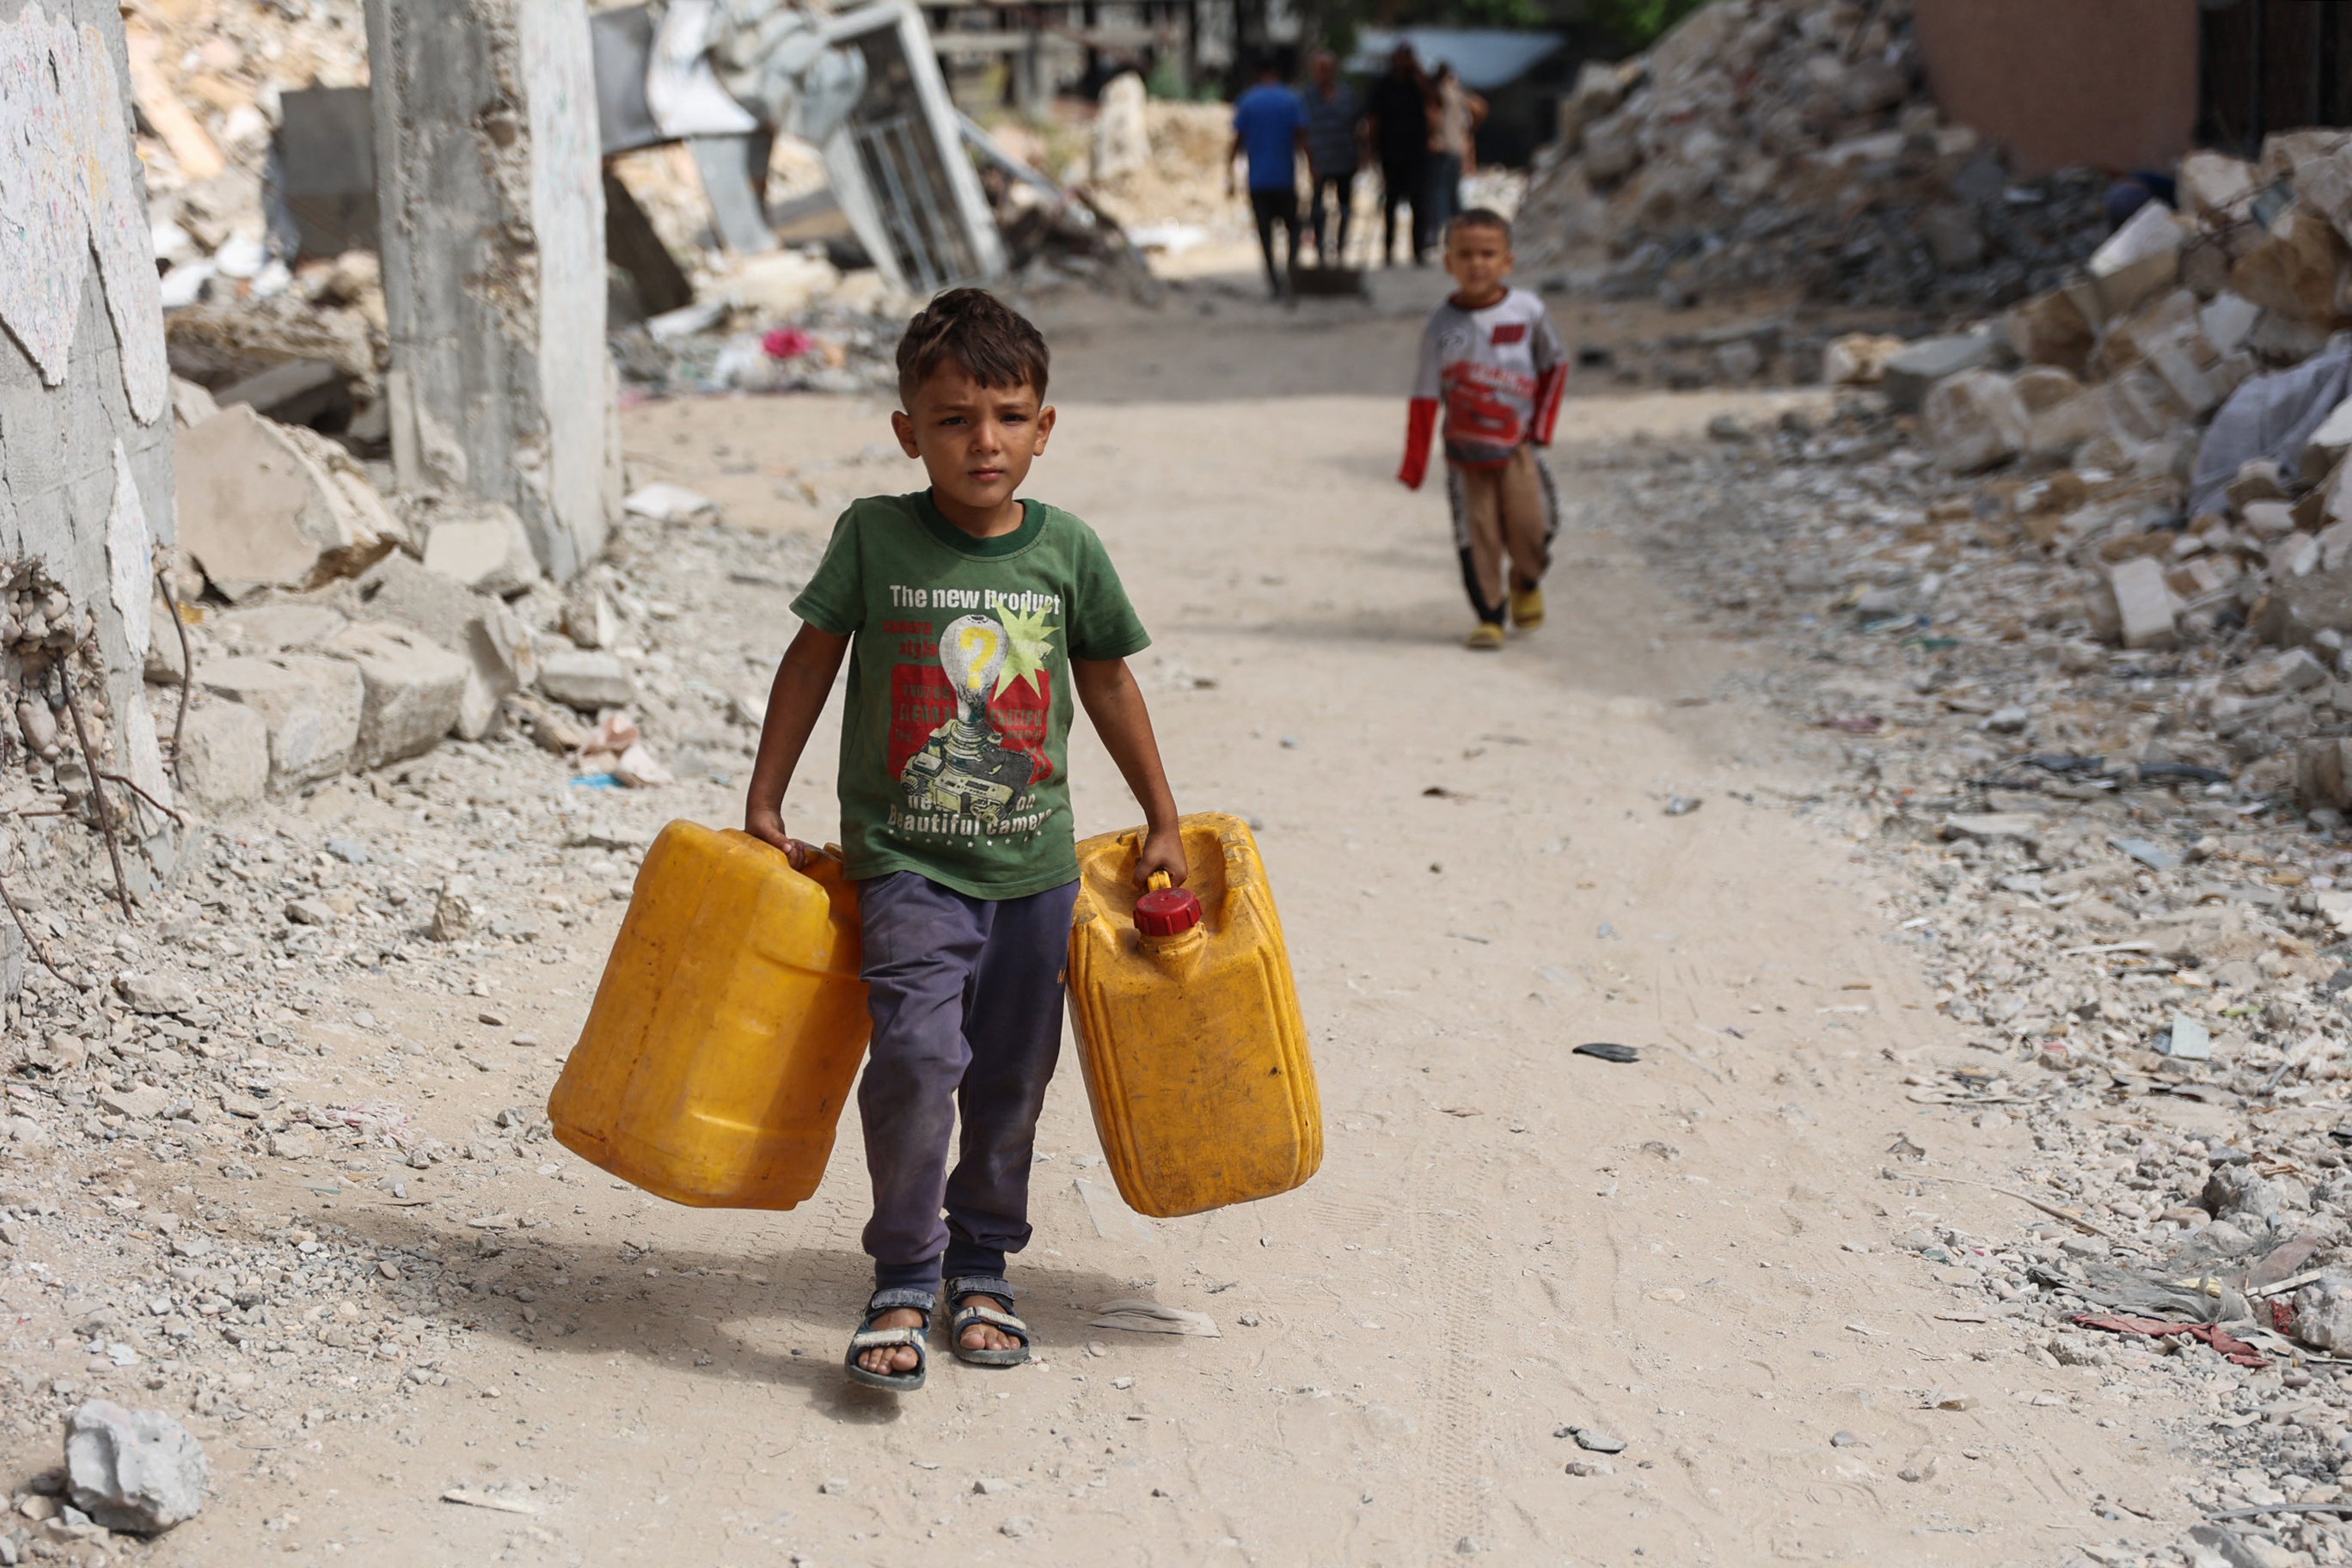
(1492, 362)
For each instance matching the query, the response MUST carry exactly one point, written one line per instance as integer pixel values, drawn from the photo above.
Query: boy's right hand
(768, 827)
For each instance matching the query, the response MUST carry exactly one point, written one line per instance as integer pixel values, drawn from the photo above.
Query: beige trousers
(1505, 515)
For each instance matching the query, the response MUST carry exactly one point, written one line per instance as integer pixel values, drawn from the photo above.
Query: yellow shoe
(1527, 609)
(1487, 636)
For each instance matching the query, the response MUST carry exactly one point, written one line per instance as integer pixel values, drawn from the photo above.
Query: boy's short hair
(1480, 217)
(978, 333)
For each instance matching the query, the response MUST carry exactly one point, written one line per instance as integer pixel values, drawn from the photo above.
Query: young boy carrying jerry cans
(968, 616)
(1492, 362)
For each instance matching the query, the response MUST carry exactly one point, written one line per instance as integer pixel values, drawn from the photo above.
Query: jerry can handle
(1159, 883)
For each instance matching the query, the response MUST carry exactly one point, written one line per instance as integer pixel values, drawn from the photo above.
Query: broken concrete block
(2212, 184)
(397, 589)
(2138, 261)
(2293, 555)
(134, 1470)
(311, 704)
(298, 392)
(155, 994)
(224, 756)
(1912, 372)
(2300, 608)
(2055, 433)
(2226, 320)
(588, 617)
(2328, 444)
(587, 680)
(2050, 330)
(494, 640)
(2145, 604)
(1973, 421)
(262, 629)
(272, 506)
(665, 502)
(2268, 519)
(2336, 544)
(2258, 480)
(412, 688)
(488, 551)
(2296, 269)
(2322, 773)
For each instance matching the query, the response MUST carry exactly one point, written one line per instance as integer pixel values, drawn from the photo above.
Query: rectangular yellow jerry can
(1188, 1025)
(727, 1030)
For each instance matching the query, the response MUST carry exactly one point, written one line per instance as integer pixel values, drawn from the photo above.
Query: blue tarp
(1484, 58)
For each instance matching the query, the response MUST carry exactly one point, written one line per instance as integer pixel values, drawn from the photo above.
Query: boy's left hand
(1163, 850)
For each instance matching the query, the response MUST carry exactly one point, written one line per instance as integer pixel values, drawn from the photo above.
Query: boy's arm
(1421, 422)
(803, 682)
(1115, 703)
(1551, 379)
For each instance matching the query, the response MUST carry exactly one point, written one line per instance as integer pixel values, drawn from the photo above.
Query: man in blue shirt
(1270, 126)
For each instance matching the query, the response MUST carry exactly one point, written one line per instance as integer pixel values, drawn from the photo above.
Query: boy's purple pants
(966, 995)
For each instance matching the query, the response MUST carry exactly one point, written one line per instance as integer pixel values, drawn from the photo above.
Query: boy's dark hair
(977, 333)
(1480, 217)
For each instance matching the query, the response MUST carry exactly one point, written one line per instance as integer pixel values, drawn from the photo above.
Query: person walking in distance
(1454, 115)
(1270, 130)
(1400, 135)
(1334, 128)
(1493, 366)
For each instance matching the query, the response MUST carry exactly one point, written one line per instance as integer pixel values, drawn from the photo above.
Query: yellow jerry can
(727, 1030)
(1188, 1025)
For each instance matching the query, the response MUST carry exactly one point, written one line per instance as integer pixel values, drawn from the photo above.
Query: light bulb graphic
(971, 651)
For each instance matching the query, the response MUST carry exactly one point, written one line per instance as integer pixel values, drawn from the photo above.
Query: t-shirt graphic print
(968, 733)
(954, 736)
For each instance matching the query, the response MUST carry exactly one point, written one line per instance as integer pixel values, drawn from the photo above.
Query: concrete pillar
(488, 174)
(85, 394)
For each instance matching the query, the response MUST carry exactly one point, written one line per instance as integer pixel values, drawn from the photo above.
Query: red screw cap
(1166, 912)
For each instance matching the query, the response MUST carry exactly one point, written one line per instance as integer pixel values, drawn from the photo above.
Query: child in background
(967, 616)
(1491, 361)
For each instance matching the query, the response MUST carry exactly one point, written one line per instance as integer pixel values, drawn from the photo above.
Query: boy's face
(975, 442)
(1478, 256)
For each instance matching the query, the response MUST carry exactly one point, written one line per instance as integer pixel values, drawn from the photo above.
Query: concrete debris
(224, 763)
(412, 690)
(487, 551)
(134, 1470)
(311, 705)
(1793, 144)
(262, 505)
(586, 680)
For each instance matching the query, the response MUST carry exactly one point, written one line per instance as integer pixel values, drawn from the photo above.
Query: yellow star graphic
(1027, 646)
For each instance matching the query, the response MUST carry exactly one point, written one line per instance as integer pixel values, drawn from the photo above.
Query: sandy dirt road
(1477, 871)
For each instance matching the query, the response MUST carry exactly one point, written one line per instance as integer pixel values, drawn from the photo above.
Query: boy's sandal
(869, 1338)
(962, 1289)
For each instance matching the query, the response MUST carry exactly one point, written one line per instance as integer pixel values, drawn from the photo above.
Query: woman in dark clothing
(1400, 118)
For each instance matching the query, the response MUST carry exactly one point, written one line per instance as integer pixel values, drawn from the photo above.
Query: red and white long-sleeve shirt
(1496, 374)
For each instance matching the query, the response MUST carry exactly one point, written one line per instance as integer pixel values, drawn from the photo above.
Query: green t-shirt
(954, 743)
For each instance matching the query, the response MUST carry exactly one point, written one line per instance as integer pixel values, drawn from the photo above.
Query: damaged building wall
(85, 394)
(2049, 83)
(493, 223)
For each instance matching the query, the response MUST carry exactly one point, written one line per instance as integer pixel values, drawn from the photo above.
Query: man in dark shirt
(1334, 130)
(1400, 116)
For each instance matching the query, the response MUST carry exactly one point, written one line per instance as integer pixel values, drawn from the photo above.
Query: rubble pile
(2099, 861)
(1790, 145)
(337, 634)
(227, 1189)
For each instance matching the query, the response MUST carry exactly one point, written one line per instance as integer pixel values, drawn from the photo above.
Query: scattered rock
(138, 1471)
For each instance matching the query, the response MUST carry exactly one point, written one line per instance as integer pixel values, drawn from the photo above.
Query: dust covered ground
(1695, 1253)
